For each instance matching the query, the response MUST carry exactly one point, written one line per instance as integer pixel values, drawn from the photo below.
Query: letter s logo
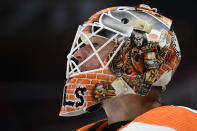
(79, 94)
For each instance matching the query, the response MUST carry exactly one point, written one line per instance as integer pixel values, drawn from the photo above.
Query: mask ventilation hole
(125, 20)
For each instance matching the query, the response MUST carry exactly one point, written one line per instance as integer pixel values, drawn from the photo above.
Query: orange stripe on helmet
(95, 17)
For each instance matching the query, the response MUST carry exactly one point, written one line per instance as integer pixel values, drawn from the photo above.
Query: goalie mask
(118, 51)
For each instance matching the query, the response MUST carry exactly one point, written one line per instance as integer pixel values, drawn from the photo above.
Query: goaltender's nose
(81, 54)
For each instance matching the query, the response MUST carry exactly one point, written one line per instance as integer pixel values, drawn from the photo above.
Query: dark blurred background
(35, 37)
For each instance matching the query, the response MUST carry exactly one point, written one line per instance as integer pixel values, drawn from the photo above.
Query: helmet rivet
(125, 20)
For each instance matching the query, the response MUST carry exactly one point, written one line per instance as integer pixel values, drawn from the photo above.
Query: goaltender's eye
(95, 45)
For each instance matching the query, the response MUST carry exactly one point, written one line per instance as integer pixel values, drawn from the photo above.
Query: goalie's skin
(143, 109)
(131, 105)
(86, 51)
(122, 58)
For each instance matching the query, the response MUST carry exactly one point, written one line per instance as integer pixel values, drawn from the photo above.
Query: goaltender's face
(84, 52)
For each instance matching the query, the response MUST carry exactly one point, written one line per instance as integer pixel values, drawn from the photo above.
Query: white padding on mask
(122, 87)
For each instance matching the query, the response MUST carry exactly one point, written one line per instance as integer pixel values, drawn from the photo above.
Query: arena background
(35, 37)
